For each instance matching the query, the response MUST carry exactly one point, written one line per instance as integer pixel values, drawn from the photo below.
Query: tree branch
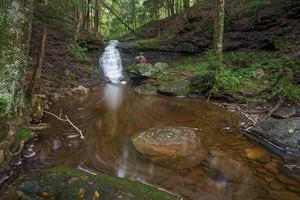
(66, 120)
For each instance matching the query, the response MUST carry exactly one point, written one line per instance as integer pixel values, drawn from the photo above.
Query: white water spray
(110, 62)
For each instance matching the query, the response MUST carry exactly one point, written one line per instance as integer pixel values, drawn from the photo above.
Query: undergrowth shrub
(80, 53)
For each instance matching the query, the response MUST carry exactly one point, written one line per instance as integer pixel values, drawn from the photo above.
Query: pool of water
(109, 117)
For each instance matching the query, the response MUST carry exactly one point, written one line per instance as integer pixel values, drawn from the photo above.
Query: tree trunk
(37, 73)
(39, 66)
(219, 28)
(96, 19)
(15, 31)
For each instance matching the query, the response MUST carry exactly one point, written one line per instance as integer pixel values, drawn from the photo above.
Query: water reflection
(234, 169)
(113, 96)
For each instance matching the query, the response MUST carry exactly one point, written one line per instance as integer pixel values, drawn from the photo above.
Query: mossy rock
(70, 183)
(180, 88)
(203, 83)
(141, 70)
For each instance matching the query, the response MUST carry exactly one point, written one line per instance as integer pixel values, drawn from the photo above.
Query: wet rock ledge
(69, 183)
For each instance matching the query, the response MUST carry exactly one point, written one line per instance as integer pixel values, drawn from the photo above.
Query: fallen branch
(66, 120)
(80, 132)
(273, 109)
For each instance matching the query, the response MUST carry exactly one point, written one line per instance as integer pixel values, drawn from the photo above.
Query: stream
(109, 116)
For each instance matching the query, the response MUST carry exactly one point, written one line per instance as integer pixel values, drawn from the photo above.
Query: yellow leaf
(45, 193)
(96, 194)
(81, 192)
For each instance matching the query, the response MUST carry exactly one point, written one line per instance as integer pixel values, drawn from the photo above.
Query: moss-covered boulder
(203, 83)
(70, 183)
(180, 88)
(141, 70)
(146, 89)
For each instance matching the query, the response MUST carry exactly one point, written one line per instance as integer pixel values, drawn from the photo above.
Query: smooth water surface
(234, 169)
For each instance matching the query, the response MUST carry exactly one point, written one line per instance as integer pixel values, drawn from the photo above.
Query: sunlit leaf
(96, 195)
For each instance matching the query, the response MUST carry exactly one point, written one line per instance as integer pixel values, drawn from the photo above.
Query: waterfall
(110, 62)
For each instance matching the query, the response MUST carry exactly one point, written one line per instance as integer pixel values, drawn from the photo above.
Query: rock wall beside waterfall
(15, 28)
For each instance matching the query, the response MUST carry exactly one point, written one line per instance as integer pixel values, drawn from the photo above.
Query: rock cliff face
(15, 27)
(269, 25)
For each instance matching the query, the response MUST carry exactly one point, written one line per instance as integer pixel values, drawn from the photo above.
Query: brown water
(235, 168)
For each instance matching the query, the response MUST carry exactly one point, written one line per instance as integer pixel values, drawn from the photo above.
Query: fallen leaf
(72, 180)
(81, 192)
(45, 193)
(96, 194)
(291, 130)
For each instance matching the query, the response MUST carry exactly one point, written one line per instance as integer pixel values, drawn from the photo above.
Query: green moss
(23, 134)
(71, 183)
(279, 42)
(71, 79)
(3, 105)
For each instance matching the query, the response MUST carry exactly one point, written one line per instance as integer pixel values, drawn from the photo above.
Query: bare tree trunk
(219, 28)
(37, 73)
(79, 25)
(88, 16)
(156, 12)
(96, 19)
(40, 62)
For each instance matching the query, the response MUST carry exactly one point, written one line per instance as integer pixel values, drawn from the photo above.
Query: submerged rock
(228, 167)
(71, 183)
(177, 147)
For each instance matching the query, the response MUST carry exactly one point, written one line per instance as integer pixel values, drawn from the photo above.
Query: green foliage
(193, 65)
(290, 93)
(279, 42)
(147, 42)
(23, 134)
(235, 75)
(286, 61)
(71, 79)
(79, 52)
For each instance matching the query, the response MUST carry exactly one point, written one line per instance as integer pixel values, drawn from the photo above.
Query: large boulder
(284, 133)
(161, 65)
(176, 147)
(179, 88)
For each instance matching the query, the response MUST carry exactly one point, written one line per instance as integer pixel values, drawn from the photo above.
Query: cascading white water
(110, 62)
